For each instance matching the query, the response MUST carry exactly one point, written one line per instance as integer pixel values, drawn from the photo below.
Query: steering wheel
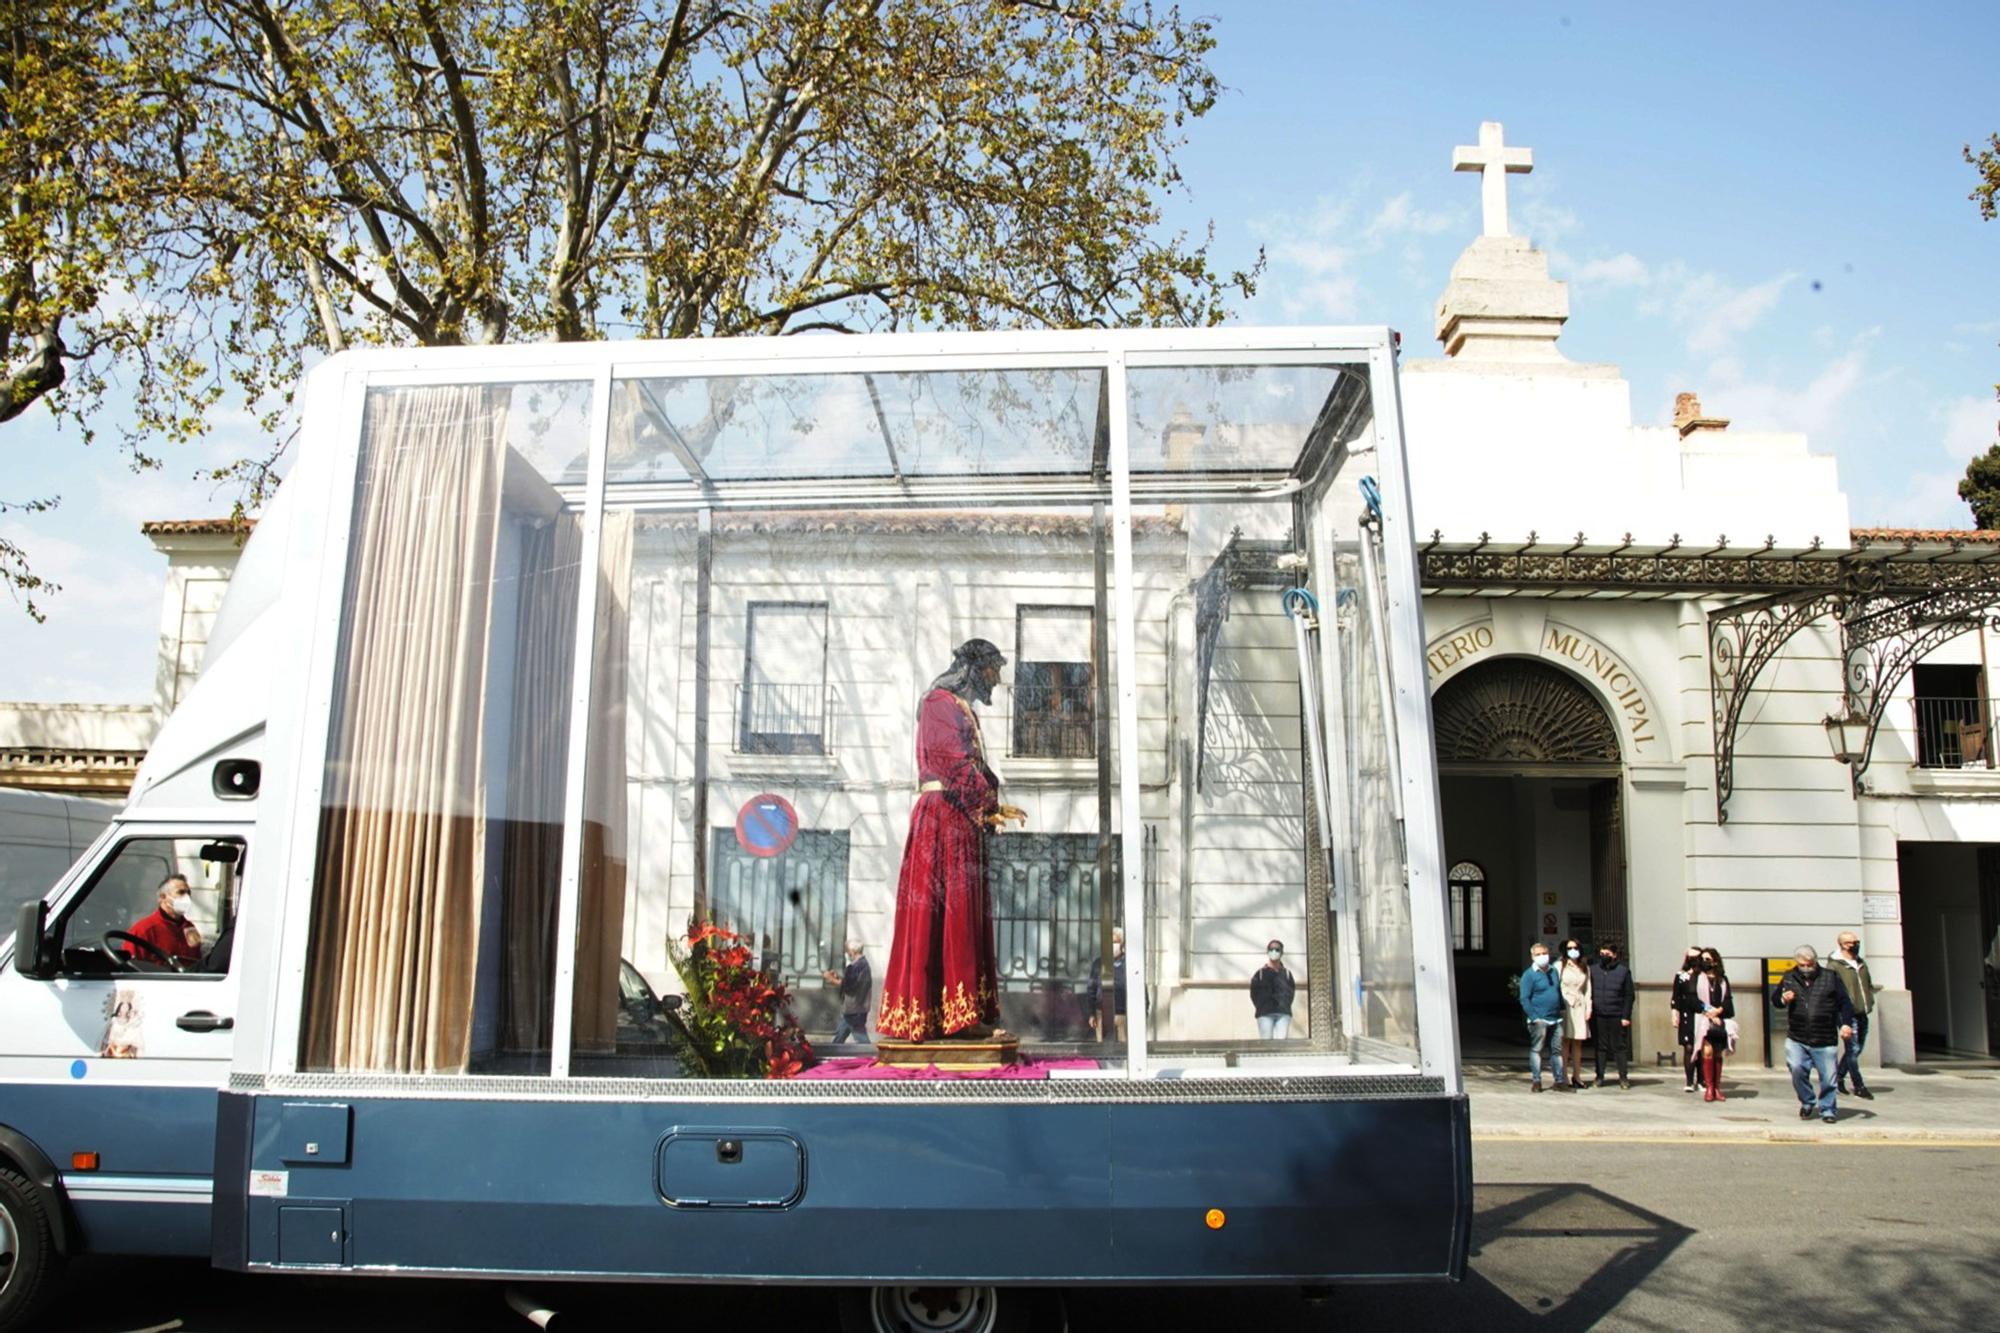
(123, 960)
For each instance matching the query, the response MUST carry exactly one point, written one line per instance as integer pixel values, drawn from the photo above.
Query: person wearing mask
(170, 929)
(857, 988)
(1117, 985)
(1819, 1018)
(1853, 973)
(1685, 1007)
(1542, 1005)
(1611, 1009)
(1573, 975)
(1271, 992)
(1715, 1011)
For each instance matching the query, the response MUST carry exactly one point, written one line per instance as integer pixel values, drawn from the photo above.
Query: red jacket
(167, 934)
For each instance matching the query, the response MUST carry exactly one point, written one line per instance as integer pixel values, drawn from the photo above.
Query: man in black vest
(1611, 1013)
(1819, 1019)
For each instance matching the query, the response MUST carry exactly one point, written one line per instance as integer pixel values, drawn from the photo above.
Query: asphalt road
(1568, 1235)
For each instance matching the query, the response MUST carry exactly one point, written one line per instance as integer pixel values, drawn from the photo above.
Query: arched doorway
(1530, 774)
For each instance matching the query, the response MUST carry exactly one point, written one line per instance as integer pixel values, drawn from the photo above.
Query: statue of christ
(942, 980)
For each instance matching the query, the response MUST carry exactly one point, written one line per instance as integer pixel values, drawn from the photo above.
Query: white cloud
(1620, 270)
(1820, 407)
(1968, 425)
(1714, 314)
(1399, 217)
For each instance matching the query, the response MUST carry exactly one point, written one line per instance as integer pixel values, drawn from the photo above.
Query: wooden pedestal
(982, 1053)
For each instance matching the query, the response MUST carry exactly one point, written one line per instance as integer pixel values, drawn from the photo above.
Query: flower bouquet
(736, 1020)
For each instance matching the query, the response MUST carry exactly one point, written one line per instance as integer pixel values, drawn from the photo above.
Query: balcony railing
(784, 719)
(1953, 733)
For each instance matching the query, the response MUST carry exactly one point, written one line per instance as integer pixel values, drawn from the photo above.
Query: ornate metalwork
(1742, 640)
(1885, 629)
(1883, 636)
(1675, 570)
(1241, 563)
(1521, 711)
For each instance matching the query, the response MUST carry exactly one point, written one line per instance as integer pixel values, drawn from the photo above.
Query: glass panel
(1234, 419)
(884, 424)
(439, 858)
(836, 838)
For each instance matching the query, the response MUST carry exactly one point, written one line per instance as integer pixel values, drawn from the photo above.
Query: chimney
(1688, 418)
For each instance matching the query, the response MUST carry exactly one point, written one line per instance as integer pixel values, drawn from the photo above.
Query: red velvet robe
(942, 977)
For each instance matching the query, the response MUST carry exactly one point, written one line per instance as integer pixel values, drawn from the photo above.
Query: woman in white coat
(1575, 978)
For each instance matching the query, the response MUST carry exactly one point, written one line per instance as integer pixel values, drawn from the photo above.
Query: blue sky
(1765, 204)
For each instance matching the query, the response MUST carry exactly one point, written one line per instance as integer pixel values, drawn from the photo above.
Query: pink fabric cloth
(864, 1067)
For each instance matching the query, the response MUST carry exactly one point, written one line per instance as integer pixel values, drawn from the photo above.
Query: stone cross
(1492, 161)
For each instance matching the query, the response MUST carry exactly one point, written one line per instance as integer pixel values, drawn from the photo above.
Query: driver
(170, 929)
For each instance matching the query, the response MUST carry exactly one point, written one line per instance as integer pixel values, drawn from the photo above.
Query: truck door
(113, 1055)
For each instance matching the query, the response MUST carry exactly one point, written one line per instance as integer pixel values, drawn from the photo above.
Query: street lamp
(1847, 734)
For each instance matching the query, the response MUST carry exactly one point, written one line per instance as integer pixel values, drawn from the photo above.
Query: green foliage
(1987, 163)
(289, 178)
(1981, 488)
(735, 1020)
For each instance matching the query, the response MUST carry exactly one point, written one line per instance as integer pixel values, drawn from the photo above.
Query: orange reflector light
(83, 1161)
(1215, 1219)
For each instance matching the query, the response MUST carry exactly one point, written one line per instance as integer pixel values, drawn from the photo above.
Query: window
(1952, 721)
(97, 932)
(1055, 683)
(784, 704)
(792, 907)
(1468, 908)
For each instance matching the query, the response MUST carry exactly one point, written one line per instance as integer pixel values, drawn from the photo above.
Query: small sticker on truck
(271, 1184)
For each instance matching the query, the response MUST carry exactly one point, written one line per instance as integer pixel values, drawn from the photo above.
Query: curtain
(390, 972)
(531, 867)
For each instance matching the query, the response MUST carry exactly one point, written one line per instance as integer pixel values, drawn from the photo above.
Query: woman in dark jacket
(1685, 1005)
(1715, 1005)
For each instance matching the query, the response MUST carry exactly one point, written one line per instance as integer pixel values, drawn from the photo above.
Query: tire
(28, 1259)
(951, 1309)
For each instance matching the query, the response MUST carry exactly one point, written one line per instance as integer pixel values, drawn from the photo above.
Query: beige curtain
(531, 866)
(396, 891)
(531, 848)
(601, 921)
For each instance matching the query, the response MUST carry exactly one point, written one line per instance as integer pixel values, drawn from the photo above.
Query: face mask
(182, 906)
(1853, 951)
(1274, 954)
(1541, 960)
(1576, 953)
(1807, 970)
(1605, 960)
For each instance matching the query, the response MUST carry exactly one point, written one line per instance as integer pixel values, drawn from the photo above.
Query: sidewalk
(1950, 1106)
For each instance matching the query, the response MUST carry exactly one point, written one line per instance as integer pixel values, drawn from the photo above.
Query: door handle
(203, 1021)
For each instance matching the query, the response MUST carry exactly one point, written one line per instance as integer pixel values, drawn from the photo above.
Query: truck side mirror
(31, 947)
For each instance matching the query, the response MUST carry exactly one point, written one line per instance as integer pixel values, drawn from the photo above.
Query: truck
(553, 669)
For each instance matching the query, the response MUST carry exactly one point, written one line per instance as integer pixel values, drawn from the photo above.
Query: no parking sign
(766, 825)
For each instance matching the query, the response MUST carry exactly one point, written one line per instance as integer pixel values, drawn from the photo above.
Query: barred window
(1468, 907)
(784, 704)
(1055, 683)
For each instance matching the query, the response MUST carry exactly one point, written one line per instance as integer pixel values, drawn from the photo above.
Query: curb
(1834, 1136)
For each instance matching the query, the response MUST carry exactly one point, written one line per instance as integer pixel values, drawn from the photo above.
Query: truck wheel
(951, 1309)
(28, 1260)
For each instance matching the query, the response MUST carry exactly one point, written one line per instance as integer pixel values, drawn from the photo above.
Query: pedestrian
(1542, 1005)
(1819, 1018)
(1853, 973)
(857, 987)
(1611, 1009)
(1271, 992)
(1096, 1001)
(1686, 1004)
(1573, 974)
(1714, 1023)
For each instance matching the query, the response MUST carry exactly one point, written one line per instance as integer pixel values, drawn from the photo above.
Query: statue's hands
(1005, 815)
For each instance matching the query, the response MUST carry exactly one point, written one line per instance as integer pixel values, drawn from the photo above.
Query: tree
(332, 173)
(450, 171)
(1981, 488)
